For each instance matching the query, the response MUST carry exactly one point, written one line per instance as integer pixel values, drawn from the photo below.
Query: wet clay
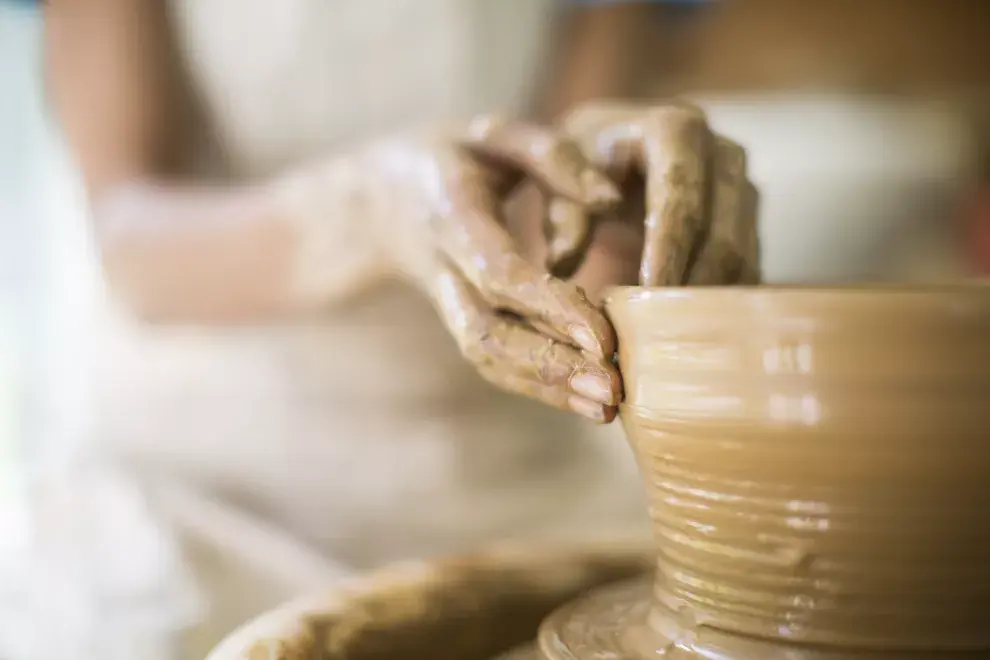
(816, 464)
(816, 467)
(469, 608)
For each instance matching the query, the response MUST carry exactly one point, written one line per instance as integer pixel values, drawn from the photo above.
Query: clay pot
(819, 481)
(818, 468)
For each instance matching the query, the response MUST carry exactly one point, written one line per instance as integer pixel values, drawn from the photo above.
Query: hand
(438, 201)
(688, 214)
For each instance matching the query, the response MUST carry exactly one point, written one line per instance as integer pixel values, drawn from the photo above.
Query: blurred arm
(173, 249)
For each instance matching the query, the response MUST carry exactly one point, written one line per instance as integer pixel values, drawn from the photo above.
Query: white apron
(224, 471)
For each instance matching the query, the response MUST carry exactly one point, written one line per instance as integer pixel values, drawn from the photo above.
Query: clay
(816, 467)
(471, 608)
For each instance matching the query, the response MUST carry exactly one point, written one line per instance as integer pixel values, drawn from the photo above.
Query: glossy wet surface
(815, 460)
(619, 622)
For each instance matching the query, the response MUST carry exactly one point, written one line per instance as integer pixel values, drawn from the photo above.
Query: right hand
(437, 203)
(688, 215)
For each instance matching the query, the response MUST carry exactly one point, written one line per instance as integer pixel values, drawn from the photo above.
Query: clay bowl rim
(981, 287)
(777, 302)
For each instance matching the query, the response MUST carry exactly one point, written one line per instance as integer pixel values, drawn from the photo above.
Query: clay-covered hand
(438, 201)
(687, 200)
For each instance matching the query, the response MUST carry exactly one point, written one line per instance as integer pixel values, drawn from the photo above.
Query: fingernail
(597, 387)
(585, 408)
(598, 189)
(586, 339)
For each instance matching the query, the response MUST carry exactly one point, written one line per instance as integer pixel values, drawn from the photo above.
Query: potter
(278, 387)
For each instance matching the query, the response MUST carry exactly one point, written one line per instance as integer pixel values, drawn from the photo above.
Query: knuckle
(675, 124)
(562, 300)
(551, 364)
(518, 282)
(677, 112)
(732, 157)
(476, 344)
(476, 355)
(566, 149)
(562, 156)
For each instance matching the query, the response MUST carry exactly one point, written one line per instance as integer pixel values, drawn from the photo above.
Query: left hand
(688, 215)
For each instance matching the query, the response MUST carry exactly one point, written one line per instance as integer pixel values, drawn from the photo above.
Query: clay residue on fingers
(677, 143)
(698, 226)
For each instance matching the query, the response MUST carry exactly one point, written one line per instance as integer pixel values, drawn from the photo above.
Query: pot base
(602, 624)
(618, 622)
(591, 605)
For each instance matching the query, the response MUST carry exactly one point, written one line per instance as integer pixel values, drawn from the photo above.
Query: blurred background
(43, 271)
(866, 124)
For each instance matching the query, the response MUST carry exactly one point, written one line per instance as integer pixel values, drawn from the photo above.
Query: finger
(677, 143)
(543, 299)
(482, 250)
(544, 329)
(610, 134)
(719, 260)
(566, 224)
(567, 228)
(749, 275)
(511, 348)
(752, 271)
(554, 397)
(509, 354)
(551, 158)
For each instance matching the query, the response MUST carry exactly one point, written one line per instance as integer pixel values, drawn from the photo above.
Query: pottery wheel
(619, 622)
(468, 608)
(598, 624)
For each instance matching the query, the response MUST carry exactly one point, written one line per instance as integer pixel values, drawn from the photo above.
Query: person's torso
(282, 81)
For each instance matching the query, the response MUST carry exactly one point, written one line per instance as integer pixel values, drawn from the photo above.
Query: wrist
(340, 248)
(401, 173)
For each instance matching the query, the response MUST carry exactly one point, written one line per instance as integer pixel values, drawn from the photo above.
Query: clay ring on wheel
(476, 606)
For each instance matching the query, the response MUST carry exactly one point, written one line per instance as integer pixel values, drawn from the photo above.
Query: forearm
(177, 252)
(174, 249)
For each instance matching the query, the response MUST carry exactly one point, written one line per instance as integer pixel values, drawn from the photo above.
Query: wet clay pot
(818, 469)
(819, 481)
